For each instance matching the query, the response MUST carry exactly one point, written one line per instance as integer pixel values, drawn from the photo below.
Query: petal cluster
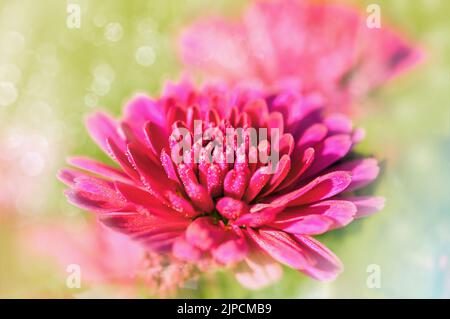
(325, 48)
(241, 214)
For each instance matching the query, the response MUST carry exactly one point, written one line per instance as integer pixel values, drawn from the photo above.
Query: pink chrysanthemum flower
(310, 47)
(241, 214)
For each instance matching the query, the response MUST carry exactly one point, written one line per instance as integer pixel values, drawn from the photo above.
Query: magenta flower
(322, 48)
(240, 214)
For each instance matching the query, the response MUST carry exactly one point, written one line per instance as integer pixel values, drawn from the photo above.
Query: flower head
(211, 203)
(323, 48)
(242, 213)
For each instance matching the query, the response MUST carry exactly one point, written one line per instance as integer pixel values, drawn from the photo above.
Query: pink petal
(120, 157)
(98, 168)
(259, 178)
(196, 192)
(183, 250)
(299, 167)
(156, 137)
(217, 47)
(98, 190)
(142, 109)
(212, 176)
(282, 169)
(151, 175)
(169, 167)
(157, 232)
(364, 171)
(235, 182)
(366, 205)
(338, 123)
(329, 151)
(231, 250)
(67, 176)
(181, 205)
(204, 234)
(258, 271)
(231, 208)
(312, 136)
(101, 127)
(306, 224)
(321, 188)
(280, 246)
(341, 212)
(144, 199)
(260, 214)
(325, 266)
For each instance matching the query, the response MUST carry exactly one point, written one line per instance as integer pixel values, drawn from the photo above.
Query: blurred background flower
(330, 49)
(52, 74)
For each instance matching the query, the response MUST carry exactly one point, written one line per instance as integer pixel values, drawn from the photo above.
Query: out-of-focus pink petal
(217, 47)
(299, 45)
(231, 250)
(204, 234)
(258, 271)
(105, 257)
(338, 123)
(324, 265)
(364, 171)
(366, 205)
(184, 250)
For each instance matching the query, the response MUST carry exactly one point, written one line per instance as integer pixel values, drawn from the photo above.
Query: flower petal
(183, 250)
(329, 151)
(366, 205)
(98, 168)
(280, 246)
(364, 171)
(325, 266)
(232, 250)
(204, 234)
(102, 127)
(321, 188)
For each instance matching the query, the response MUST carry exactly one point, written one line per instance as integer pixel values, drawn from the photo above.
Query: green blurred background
(51, 77)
